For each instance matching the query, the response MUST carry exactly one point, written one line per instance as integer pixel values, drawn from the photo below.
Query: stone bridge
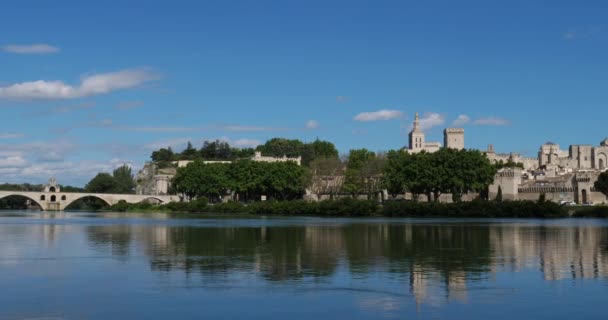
(50, 200)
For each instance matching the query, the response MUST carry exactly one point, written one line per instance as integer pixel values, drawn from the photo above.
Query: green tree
(123, 180)
(355, 176)
(189, 153)
(163, 155)
(432, 174)
(601, 184)
(102, 183)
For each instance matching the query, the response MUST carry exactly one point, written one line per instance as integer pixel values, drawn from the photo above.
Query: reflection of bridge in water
(52, 199)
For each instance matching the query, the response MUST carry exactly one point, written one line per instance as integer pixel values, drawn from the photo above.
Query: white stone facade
(453, 138)
(258, 157)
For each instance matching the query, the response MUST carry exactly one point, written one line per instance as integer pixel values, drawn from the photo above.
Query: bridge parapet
(58, 201)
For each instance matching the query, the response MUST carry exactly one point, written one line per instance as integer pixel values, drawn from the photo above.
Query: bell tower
(416, 136)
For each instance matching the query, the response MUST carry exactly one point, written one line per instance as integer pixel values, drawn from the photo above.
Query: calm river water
(156, 266)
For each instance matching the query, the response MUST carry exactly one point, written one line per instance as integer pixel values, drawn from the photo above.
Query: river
(79, 265)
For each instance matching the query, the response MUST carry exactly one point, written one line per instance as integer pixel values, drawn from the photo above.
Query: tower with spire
(416, 137)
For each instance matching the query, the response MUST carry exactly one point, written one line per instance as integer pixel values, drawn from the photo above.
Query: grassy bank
(591, 212)
(362, 208)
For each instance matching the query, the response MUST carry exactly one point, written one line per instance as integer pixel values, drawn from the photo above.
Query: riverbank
(371, 208)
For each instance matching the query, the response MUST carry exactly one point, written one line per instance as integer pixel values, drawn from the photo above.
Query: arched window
(53, 198)
(63, 197)
(52, 189)
(42, 197)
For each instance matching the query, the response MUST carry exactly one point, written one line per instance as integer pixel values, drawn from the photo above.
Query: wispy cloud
(176, 143)
(430, 120)
(8, 135)
(462, 120)
(126, 105)
(492, 121)
(312, 124)
(341, 98)
(379, 115)
(97, 84)
(180, 143)
(38, 48)
(245, 128)
(39, 160)
(156, 129)
(581, 33)
(62, 109)
(12, 161)
(245, 143)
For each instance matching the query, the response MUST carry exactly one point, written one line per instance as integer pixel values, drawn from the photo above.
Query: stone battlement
(454, 130)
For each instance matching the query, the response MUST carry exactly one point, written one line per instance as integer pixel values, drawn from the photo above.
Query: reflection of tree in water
(445, 248)
(275, 253)
(431, 260)
(113, 239)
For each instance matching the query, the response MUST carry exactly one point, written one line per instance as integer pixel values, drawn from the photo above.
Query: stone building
(578, 157)
(512, 157)
(417, 139)
(516, 184)
(453, 138)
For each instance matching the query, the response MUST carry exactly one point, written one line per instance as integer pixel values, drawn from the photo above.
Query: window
(63, 197)
(42, 197)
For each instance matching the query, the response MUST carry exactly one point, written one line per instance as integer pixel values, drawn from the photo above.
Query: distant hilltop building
(258, 157)
(452, 138)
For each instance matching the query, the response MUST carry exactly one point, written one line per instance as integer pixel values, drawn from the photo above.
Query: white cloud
(90, 85)
(12, 161)
(430, 120)
(312, 124)
(378, 115)
(492, 121)
(11, 135)
(245, 143)
(30, 48)
(461, 120)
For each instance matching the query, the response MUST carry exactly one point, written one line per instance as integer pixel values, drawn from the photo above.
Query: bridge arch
(24, 196)
(71, 201)
(153, 200)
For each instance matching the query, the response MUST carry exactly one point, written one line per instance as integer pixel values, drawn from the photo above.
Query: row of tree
(432, 174)
(211, 150)
(277, 147)
(249, 180)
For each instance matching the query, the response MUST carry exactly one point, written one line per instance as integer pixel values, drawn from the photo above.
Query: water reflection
(385, 267)
(436, 262)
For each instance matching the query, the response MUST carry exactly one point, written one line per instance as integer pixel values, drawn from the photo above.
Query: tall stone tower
(453, 138)
(416, 136)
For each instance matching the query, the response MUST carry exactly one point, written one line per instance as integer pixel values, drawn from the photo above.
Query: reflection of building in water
(431, 287)
(559, 252)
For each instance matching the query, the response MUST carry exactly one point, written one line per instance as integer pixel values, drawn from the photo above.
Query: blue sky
(87, 86)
